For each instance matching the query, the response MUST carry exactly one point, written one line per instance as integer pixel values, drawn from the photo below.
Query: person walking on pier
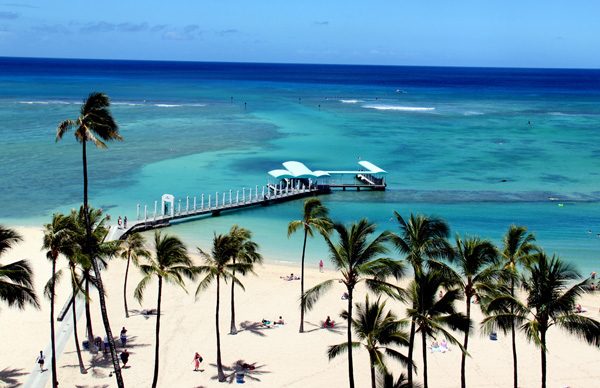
(119, 222)
(125, 222)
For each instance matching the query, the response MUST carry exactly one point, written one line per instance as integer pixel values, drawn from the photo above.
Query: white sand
(284, 358)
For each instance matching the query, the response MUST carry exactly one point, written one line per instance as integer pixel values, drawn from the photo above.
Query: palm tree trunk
(543, 350)
(463, 361)
(52, 335)
(76, 336)
(125, 288)
(302, 284)
(424, 344)
(220, 373)
(514, 337)
(350, 365)
(156, 348)
(88, 315)
(99, 286)
(372, 367)
(411, 346)
(233, 329)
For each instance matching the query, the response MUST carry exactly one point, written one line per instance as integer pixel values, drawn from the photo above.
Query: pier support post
(263, 192)
(179, 207)
(223, 201)
(138, 211)
(202, 203)
(187, 203)
(145, 212)
(256, 193)
(230, 197)
(194, 203)
(243, 195)
(208, 201)
(216, 199)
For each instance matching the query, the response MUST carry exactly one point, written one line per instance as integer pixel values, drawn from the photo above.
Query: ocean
(482, 148)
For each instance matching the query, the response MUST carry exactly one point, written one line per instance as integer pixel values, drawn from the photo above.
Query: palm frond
(138, 294)
(581, 326)
(312, 295)
(336, 350)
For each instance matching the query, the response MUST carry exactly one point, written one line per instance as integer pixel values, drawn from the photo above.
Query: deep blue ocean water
(480, 147)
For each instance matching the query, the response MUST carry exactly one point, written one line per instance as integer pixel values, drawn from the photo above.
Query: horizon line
(297, 63)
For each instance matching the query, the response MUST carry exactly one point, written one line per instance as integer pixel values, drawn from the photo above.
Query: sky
(507, 33)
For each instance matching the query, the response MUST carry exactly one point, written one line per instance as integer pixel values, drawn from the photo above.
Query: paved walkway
(64, 329)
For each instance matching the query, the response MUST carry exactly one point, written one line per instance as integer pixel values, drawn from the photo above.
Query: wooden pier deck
(294, 182)
(160, 221)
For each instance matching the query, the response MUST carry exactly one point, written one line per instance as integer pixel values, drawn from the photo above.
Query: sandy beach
(282, 357)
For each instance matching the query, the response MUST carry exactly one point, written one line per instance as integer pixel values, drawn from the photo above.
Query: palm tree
(132, 249)
(357, 259)
(376, 330)
(16, 279)
(57, 240)
(421, 239)
(171, 263)
(475, 259)
(432, 314)
(550, 302)
(97, 248)
(387, 380)
(217, 265)
(518, 245)
(96, 124)
(74, 260)
(314, 217)
(245, 251)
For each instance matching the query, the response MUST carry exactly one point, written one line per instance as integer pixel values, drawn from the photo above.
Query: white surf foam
(350, 101)
(398, 108)
(167, 105)
(48, 102)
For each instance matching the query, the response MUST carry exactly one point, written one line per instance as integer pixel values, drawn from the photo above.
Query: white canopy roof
(373, 169)
(294, 169)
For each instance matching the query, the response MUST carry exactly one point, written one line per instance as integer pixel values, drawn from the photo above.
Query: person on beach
(197, 360)
(125, 222)
(124, 357)
(123, 336)
(328, 322)
(40, 360)
(279, 321)
(119, 222)
(321, 266)
(106, 344)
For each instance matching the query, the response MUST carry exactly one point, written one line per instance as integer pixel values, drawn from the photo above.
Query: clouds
(188, 32)
(103, 26)
(7, 15)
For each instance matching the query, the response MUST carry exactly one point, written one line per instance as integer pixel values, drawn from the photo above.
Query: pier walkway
(294, 182)
(213, 206)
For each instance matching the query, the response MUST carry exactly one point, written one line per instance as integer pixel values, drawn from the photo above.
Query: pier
(295, 181)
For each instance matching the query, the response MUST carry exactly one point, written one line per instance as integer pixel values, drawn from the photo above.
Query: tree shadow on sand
(254, 328)
(9, 377)
(131, 343)
(250, 370)
(146, 313)
(337, 329)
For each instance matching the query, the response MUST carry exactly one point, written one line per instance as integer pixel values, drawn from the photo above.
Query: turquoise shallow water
(480, 148)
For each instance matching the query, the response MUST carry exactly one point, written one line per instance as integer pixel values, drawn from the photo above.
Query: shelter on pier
(369, 176)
